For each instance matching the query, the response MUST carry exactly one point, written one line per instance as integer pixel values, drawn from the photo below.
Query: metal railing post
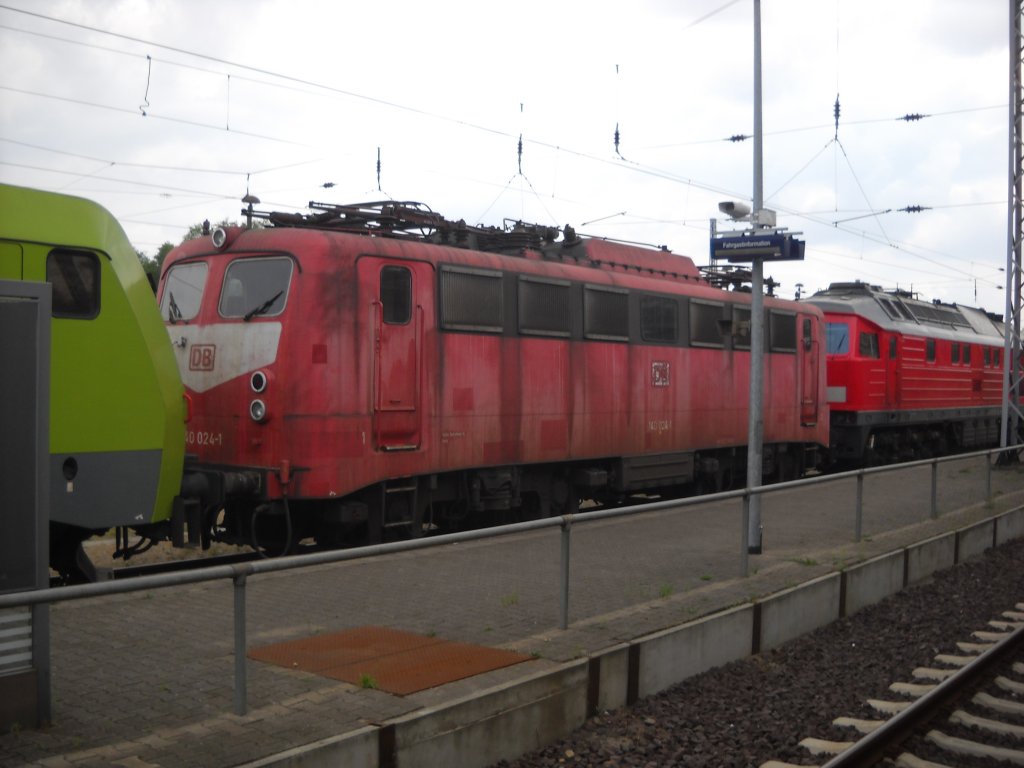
(241, 707)
(564, 596)
(858, 526)
(745, 541)
(988, 478)
(935, 489)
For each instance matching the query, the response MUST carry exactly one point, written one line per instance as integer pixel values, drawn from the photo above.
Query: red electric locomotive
(908, 379)
(376, 367)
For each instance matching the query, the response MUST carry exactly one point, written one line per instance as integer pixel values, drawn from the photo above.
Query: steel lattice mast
(1013, 365)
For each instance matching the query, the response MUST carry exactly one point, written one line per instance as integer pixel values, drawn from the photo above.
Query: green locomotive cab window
(183, 291)
(75, 280)
(256, 287)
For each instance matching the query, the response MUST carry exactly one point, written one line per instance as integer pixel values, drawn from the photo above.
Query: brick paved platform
(146, 679)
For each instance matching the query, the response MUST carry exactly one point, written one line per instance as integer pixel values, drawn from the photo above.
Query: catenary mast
(1011, 413)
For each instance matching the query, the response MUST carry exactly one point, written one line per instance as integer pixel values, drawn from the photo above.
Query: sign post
(763, 241)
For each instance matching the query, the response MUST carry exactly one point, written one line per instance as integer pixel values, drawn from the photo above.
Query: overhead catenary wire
(149, 115)
(250, 68)
(149, 74)
(654, 172)
(907, 118)
(635, 167)
(321, 86)
(519, 175)
(156, 166)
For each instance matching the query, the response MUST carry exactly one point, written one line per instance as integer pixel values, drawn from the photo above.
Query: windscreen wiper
(173, 311)
(262, 307)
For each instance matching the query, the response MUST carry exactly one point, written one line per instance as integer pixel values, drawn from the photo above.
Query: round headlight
(258, 382)
(219, 237)
(258, 410)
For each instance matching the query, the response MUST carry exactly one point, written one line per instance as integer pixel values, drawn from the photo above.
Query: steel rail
(878, 744)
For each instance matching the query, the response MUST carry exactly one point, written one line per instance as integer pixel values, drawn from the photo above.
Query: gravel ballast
(760, 708)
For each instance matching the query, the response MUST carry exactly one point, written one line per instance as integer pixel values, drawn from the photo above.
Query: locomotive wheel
(453, 514)
(531, 508)
(564, 500)
(65, 545)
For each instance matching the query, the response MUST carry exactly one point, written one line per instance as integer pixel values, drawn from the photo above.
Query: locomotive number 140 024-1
(199, 438)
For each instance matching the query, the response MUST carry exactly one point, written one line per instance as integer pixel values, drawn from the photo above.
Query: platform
(146, 679)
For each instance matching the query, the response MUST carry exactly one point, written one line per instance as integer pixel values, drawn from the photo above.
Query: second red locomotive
(908, 379)
(376, 367)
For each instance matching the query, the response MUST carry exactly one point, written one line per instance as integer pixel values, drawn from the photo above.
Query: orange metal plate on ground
(392, 660)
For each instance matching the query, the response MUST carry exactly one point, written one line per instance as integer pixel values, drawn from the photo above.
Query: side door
(892, 372)
(809, 351)
(390, 291)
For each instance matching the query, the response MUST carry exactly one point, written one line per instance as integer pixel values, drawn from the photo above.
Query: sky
(168, 112)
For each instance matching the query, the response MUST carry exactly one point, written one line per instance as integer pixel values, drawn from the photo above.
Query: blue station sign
(772, 246)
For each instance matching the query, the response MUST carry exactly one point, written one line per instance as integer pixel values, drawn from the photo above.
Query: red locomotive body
(906, 378)
(377, 366)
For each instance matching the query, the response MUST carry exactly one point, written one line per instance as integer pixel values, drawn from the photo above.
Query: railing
(240, 573)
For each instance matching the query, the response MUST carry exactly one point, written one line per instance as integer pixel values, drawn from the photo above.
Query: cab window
(74, 277)
(396, 295)
(868, 345)
(255, 287)
(183, 291)
(837, 338)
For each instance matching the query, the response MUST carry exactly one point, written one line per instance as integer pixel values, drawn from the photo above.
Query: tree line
(153, 264)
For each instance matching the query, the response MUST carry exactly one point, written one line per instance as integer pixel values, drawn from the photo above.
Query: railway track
(165, 566)
(917, 718)
(173, 566)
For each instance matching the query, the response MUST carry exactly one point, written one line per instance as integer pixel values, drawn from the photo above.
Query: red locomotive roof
(608, 254)
(416, 222)
(900, 312)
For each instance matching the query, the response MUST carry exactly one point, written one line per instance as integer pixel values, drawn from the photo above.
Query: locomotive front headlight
(258, 382)
(219, 237)
(258, 410)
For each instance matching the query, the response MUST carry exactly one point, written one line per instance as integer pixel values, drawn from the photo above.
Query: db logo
(201, 357)
(659, 373)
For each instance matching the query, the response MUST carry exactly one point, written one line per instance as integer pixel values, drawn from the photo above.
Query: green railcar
(117, 414)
